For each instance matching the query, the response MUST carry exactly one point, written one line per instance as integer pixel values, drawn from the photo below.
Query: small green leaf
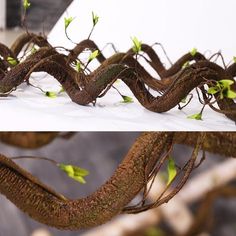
(234, 59)
(226, 82)
(33, 50)
(137, 45)
(127, 99)
(62, 90)
(213, 90)
(74, 172)
(185, 65)
(184, 100)
(67, 21)
(231, 94)
(12, 61)
(50, 94)
(26, 4)
(78, 66)
(153, 231)
(197, 116)
(171, 168)
(93, 55)
(95, 18)
(193, 52)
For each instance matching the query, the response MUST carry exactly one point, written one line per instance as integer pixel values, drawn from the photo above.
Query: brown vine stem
(48, 207)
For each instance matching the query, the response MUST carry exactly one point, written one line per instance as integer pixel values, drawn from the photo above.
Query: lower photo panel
(117, 183)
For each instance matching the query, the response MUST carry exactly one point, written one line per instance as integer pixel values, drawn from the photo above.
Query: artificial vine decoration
(140, 165)
(84, 86)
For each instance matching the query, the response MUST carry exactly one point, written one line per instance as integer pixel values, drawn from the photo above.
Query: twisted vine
(85, 86)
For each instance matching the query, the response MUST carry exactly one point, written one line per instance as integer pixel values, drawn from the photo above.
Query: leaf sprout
(223, 88)
(137, 45)
(171, 169)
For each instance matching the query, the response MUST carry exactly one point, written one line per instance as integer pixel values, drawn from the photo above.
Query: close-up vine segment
(141, 164)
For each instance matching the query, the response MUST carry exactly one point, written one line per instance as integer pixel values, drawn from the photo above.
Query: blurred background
(100, 153)
(41, 16)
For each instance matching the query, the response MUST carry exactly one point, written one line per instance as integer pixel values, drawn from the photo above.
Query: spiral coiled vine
(85, 86)
(140, 166)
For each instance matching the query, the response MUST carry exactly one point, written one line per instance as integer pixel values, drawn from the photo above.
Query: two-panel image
(118, 118)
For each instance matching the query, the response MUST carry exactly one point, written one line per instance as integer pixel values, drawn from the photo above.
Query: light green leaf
(50, 94)
(67, 21)
(127, 99)
(185, 65)
(74, 172)
(231, 94)
(93, 55)
(78, 66)
(226, 82)
(213, 90)
(137, 45)
(62, 90)
(95, 18)
(234, 59)
(26, 4)
(184, 100)
(193, 52)
(171, 168)
(153, 231)
(197, 116)
(12, 61)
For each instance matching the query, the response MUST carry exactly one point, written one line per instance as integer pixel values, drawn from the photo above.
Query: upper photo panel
(108, 65)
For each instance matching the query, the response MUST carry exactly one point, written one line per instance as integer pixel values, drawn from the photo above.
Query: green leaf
(234, 59)
(33, 50)
(171, 168)
(26, 4)
(95, 18)
(231, 94)
(197, 116)
(184, 100)
(226, 83)
(62, 90)
(50, 94)
(78, 66)
(153, 231)
(193, 52)
(74, 172)
(185, 65)
(137, 45)
(12, 61)
(127, 99)
(213, 90)
(93, 55)
(67, 21)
